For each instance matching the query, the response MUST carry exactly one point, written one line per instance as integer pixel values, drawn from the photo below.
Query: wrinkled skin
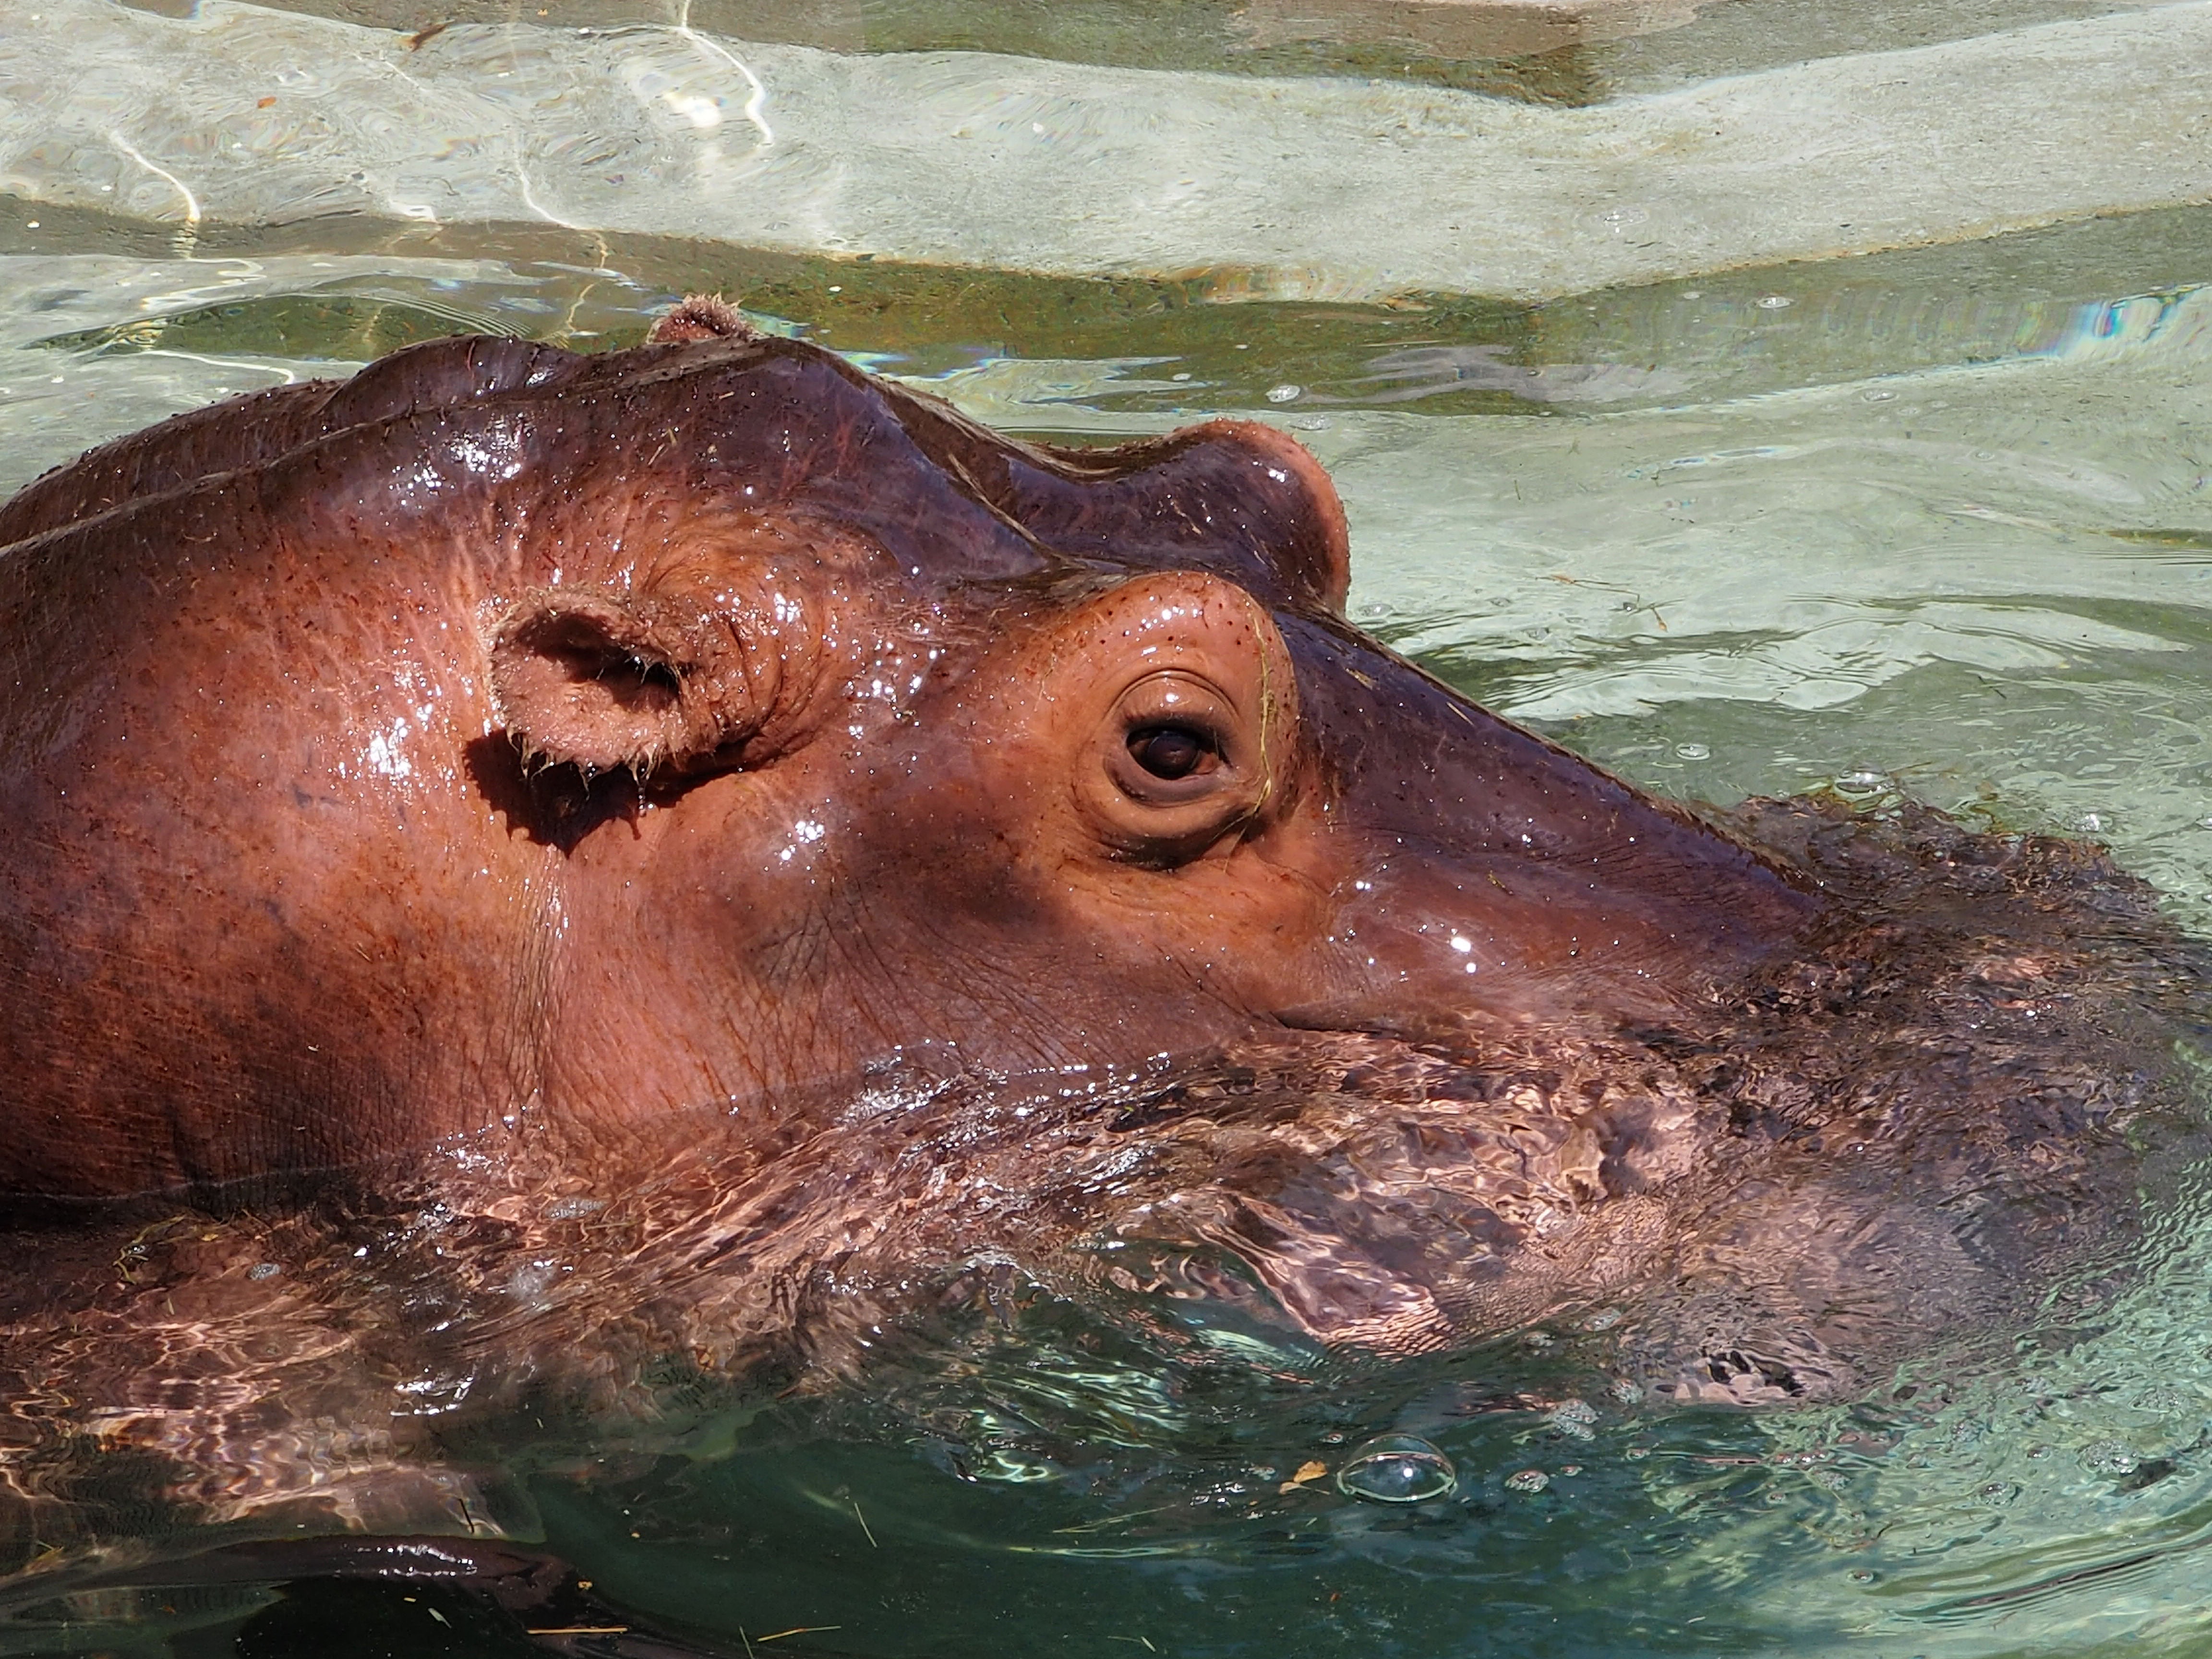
(567, 860)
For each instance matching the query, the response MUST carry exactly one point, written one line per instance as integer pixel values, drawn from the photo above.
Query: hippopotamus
(525, 864)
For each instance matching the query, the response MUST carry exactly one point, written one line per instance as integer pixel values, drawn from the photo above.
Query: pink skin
(516, 743)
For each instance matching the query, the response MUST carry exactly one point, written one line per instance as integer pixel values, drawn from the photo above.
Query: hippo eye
(1178, 770)
(1171, 752)
(1191, 751)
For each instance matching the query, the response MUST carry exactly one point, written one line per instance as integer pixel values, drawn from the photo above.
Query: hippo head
(721, 822)
(862, 731)
(509, 732)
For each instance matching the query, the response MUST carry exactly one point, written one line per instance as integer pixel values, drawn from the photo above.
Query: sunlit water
(1935, 524)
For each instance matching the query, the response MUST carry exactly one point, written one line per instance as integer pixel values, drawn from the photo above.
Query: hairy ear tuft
(603, 681)
(702, 317)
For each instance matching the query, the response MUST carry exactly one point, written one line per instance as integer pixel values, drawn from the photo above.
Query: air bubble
(1397, 1468)
(1693, 751)
(1576, 1418)
(2109, 1457)
(1526, 1481)
(1284, 393)
(1774, 302)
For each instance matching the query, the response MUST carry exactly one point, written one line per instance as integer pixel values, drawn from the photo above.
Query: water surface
(1934, 521)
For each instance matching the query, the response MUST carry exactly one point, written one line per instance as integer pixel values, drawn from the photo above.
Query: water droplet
(1879, 396)
(2089, 823)
(1693, 751)
(1862, 1576)
(264, 1270)
(1526, 1481)
(1182, 375)
(1284, 393)
(1396, 1468)
(1773, 302)
(1603, 1320)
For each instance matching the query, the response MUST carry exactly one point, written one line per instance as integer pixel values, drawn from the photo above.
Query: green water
(1936, 521)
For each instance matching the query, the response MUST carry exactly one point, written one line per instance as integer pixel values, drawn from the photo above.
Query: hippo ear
(604, 681)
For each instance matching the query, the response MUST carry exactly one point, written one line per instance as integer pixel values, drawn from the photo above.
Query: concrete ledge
(1333, 189)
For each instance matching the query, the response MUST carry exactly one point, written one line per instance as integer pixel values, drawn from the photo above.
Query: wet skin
(520, 865)
(506, 737)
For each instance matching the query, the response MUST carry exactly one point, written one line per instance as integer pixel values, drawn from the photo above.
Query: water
(1630, 455)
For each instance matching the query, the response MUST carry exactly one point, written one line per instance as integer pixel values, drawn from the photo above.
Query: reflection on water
(1929, 524)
